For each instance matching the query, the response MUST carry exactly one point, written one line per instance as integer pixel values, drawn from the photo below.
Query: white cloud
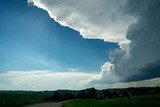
(49, 80)
(96, 19)
(117, 21)
(73, 69)
(42, 80)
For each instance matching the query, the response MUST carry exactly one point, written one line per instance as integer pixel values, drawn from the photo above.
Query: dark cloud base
(145, 40)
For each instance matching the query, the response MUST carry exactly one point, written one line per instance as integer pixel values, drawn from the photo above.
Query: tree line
(92, 93)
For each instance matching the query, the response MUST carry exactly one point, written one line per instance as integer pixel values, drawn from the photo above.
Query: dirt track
(59, 104)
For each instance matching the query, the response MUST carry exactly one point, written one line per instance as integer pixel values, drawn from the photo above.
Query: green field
(138, 101)
(21, 98)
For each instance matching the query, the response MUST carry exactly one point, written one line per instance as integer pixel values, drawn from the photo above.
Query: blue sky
(105, 44)
(31, 40)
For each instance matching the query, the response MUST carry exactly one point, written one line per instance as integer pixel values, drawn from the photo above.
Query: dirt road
(58, 104)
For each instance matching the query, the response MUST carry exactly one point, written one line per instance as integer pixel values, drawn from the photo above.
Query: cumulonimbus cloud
(142, 61)
(134, 24)
(105, 19)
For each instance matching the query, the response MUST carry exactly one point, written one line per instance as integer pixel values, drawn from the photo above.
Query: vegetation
(20, 98)
(106, 97)
(92, 93)
(137, 101)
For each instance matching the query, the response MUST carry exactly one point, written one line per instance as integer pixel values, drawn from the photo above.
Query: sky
(30, 40)
(57, 44)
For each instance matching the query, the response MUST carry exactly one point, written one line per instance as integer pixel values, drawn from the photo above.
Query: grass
(138, 101)
(20, 98)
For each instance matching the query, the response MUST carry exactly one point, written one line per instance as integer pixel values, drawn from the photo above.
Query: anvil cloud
(133, 24)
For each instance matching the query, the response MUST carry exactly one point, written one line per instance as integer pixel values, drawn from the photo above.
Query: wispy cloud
(42, 80)
(48, 80)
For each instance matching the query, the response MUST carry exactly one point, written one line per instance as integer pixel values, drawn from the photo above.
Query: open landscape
(129, 97)
(79, 53)
(136, 101)
(21, 98)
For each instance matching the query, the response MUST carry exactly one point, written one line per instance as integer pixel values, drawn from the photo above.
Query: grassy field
(20, 98)
(138, 101)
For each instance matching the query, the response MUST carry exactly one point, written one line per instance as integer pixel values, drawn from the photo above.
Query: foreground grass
(138, 101)
(20, 98)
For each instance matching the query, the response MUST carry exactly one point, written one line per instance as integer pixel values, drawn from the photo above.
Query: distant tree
(108, 94)
(129, 94)
(56, 95)
(91, 92)
(46, 99)
(82, 94)
(68, 96)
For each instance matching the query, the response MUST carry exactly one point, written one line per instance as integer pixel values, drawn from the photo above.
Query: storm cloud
(133, 24)
(105, 19)
(142, 61)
